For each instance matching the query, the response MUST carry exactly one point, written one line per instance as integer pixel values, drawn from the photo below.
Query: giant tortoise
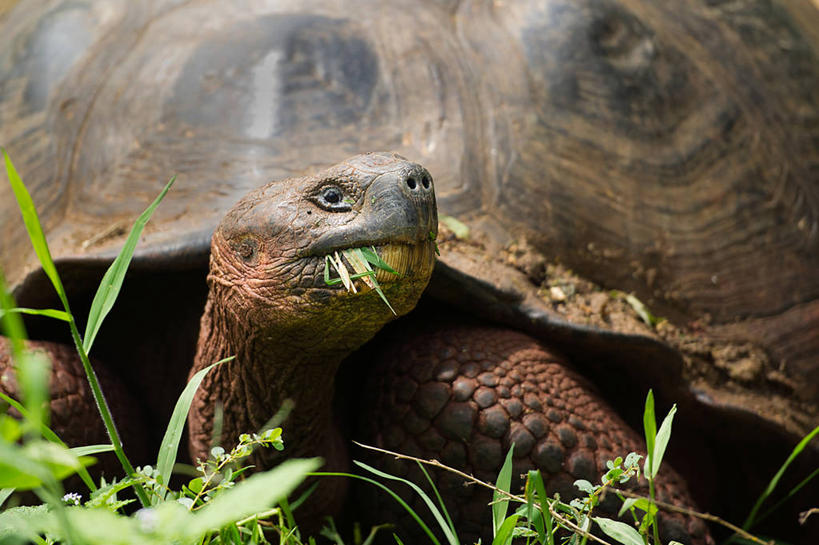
(667, 149)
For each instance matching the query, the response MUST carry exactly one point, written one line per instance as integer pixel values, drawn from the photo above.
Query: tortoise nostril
(411, 183)
(425, 181)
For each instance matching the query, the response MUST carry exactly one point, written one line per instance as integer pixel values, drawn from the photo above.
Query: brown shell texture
(668, 149)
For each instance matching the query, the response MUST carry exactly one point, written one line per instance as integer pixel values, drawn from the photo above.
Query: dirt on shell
(732, 372)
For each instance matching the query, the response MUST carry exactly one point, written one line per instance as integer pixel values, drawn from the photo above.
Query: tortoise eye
(332, 198)
(331, 195)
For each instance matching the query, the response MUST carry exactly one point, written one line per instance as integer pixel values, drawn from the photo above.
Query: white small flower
(72, 498)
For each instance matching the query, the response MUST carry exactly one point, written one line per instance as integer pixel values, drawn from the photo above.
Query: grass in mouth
(362, 260)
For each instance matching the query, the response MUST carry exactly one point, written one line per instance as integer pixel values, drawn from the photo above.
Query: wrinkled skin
(269, 306)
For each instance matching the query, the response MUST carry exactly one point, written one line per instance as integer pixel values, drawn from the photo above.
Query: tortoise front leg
(464, 394)
(73, 414)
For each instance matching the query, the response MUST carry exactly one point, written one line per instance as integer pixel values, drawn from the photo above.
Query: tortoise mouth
(409, 261)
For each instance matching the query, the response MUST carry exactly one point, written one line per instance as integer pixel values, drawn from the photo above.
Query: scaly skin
(464, 394)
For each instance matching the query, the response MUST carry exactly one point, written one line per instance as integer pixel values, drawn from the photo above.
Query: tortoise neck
(270, 367)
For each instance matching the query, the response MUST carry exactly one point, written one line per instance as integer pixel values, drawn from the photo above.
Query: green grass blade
(499, 501)
(89, 450)
(356, 255)
(47, 312)
(438, 497)
(504, 534)
(395, 496)
(33, 226)
(173, 433)
(384, 298)
(650, 427)
(775, 480)
(450, 537)
(790, 494)
(111, 283)
(288, 513)
(375, 260)
(661, 441)
(543, 501)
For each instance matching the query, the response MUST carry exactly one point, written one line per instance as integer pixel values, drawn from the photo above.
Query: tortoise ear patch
(247, 248)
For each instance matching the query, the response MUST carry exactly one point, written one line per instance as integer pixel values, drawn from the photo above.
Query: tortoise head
(269, 256)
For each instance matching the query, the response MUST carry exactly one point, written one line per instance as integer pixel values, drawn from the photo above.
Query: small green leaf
(650, 427)
(173, 433)
(111, 282)
(627, 504)
(620, 531)
(638, 503)
(632, 459)
(612, 475)
(661, 441)
(500, 502)
(584, 486)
